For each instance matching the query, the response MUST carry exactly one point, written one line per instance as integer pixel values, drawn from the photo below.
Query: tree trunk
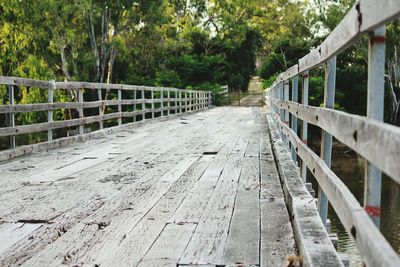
(93, 44)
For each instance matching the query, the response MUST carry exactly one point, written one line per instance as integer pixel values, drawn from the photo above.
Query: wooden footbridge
(160, 177)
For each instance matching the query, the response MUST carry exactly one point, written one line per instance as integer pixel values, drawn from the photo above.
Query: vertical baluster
(50, 99)
(162, 101)
(175, 101)
(169, 102)
(375, 104)
(295, 98)
(101, 107)
(281, 114)
(134, 104)
(186, 101)
(119, 107)
(304, 132)
(152, 103)
(11, 115)
(143, 106)
(286, 113)
(180, 101)
(80, 111)
(326, 140)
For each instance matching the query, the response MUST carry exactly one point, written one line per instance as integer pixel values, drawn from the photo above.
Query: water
(350, 168)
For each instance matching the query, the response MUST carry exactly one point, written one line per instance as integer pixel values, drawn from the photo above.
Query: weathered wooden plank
(192, 207)
(168, 248)
(208, 241)
(370, 242)
(242, 244)
(87, 205)
(344, 35)
(388, 10)
(140, 239)
(289, 73)
(67, 105)
(250, 175)
(11, 233)
(81, 163)
(26, 82)
(270, 184)
(277, 238)
(310, 60)
(376, 141)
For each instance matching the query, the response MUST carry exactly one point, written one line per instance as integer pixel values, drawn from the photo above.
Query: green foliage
(168, 78)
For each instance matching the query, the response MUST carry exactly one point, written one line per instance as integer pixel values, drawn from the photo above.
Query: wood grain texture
(374, 248)
(376, 141)
(167, 193)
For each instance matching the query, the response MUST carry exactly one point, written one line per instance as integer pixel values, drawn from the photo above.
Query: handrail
(376, 141)
(169, 101)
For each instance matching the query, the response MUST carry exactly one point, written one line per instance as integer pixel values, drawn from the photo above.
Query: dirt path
(254, 96)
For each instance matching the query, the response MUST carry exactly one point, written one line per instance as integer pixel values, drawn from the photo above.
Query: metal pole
(375, 101)
(295, 98)
(304, 132)
(50, 111)
(326, 142)
(286, 113)
(12, 116)
(281, 114)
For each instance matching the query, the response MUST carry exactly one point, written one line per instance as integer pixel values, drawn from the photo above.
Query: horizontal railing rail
(143, 103)
(369, 136)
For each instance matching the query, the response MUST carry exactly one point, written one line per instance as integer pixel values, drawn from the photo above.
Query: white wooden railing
(377, 142)
(146, 103)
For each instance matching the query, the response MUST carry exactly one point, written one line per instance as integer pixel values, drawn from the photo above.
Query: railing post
(375, 102)
(12, 116)
(304, 132)
(80, 111)
(180, 101)
(50, 98)
(286, 113)
(162, 101)
(152, 103)
(119, 107)
(101, 113)
(281, 113)
(186, 102)
(175, 101)
(295, 98)
(169, 102)
(134, 104)
(143, 106)
(326, 142)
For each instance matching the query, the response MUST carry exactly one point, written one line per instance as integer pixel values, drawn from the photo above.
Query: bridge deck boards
(155, 195)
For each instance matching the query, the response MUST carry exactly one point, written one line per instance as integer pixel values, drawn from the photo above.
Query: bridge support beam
(326, 141)
(375, 100)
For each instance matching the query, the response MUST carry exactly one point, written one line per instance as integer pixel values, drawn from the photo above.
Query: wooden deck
(200, 189)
